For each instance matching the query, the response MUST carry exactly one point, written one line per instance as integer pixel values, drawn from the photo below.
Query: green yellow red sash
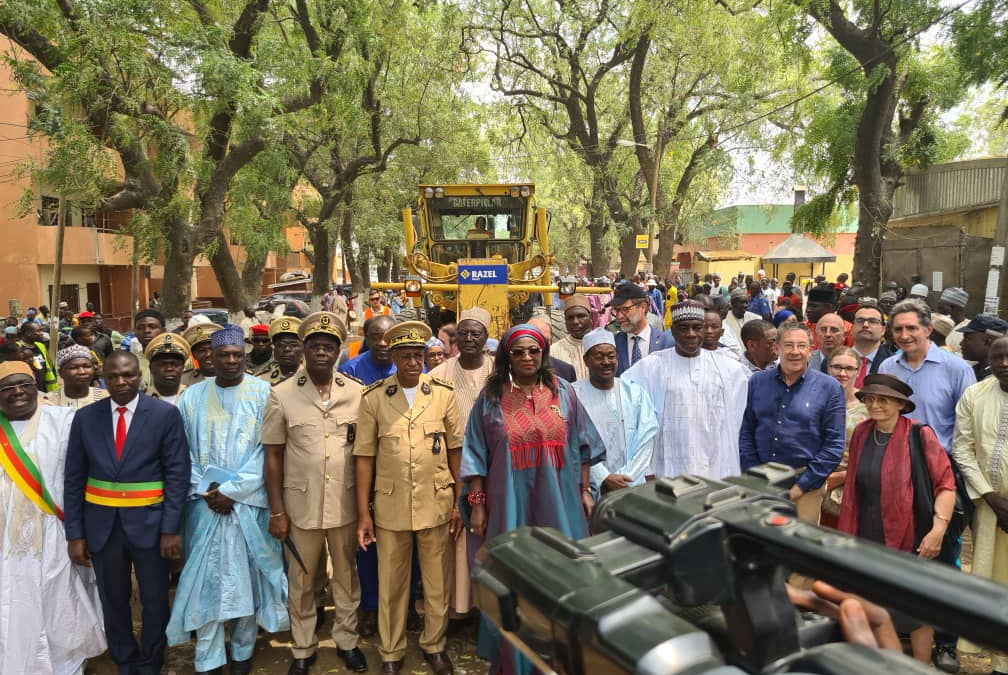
(121, 495)
(20, 468)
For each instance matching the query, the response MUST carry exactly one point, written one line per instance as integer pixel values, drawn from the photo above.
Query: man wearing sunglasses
(636, 338)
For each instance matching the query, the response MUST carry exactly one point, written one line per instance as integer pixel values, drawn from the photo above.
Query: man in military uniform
(409, 443)
(200, 350)
(288, 350)
(167, 354)
(260, 356)
(308, 432)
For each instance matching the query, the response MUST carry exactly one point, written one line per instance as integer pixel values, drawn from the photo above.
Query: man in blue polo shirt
(938, 379)
(376, 363)
(795, 415)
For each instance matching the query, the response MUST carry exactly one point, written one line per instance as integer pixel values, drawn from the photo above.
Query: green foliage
(981, 42)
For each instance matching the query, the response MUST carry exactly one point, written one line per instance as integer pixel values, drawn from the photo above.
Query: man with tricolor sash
(50, 622)
(127, 478)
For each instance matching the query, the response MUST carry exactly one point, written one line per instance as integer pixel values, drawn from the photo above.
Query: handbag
(923, 491)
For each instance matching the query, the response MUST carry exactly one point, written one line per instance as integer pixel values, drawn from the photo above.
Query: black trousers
(112, 566)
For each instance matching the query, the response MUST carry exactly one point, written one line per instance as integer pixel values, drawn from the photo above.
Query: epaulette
(443, 383)
(351, 377)
(371, 387)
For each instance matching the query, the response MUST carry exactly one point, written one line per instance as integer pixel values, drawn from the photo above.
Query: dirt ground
(272, 656)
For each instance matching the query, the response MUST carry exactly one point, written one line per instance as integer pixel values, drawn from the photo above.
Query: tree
(981, 44)
(180, 93)
(885, 117)
(690, 94)
(396, 102)
(560, 63)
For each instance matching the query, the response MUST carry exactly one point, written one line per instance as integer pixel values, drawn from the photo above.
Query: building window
(88, 218)
(49, 212)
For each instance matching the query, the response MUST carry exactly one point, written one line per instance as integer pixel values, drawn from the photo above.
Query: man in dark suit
(869, 329)
(636, 338)
(126, 479)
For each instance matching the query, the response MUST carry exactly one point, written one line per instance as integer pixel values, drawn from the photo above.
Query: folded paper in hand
(214, 474)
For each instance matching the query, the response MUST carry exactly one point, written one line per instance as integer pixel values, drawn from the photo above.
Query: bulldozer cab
(475, 223)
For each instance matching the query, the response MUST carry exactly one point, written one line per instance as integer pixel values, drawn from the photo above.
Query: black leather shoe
(241, 667)
(439, 663)
(946, 658)
(215, 671)
(390, 667)
(353, 658)
(301, 666)
(368, 623)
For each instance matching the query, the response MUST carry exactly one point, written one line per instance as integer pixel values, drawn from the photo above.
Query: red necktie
(861, 373)
(120, 439)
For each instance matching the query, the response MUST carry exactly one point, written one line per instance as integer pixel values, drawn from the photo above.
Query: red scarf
(896, 493)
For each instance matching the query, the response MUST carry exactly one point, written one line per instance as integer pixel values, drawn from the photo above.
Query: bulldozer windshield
(475, 218)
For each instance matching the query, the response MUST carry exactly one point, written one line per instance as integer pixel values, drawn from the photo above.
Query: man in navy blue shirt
(795, 416)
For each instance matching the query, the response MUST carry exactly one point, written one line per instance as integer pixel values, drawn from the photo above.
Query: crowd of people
(265, 471)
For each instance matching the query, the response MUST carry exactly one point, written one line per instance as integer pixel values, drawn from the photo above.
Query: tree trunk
(629, 253)
(322, 269)
(177, 288)
(383, 266)
(233, 283)
(599, 262)
(351, 258)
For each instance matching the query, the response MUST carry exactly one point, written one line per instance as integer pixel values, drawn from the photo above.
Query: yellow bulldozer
(478, 245)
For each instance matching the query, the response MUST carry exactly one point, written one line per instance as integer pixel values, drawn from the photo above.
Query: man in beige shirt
(198, 336)
(409, 442)
(578, 318)
(468, 372)
(308, 434)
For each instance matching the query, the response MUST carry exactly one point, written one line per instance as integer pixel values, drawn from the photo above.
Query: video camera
(687, 575)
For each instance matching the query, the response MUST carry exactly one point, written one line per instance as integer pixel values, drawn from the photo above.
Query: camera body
(687, 574)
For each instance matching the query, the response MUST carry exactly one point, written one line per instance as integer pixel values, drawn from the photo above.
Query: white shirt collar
(130, 407)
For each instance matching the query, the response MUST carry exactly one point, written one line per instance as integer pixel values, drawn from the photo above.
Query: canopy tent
(798, 248)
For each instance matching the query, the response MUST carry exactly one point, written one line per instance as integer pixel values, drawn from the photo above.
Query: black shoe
(414, 622)
(301, 666)
(945, 658)
(215, 671)
(368, 623)
(241, 667)
(353, 658)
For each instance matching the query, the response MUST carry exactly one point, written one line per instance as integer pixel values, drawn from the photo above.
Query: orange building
(97, 255)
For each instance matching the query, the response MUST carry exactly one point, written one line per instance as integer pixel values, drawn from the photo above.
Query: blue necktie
(635, 354)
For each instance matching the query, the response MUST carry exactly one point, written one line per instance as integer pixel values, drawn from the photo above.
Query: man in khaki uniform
(409, 442)
(198, 337)
(167, 354)
(308, 432)
(288, 350)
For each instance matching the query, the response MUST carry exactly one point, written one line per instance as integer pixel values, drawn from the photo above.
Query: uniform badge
(555, 408)
(425, 388)
(324, 321)
(351, 432)
(436, 447)
(168, 338)
(338, 380)
(302, 380)
(391, 390)
(285, 324)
